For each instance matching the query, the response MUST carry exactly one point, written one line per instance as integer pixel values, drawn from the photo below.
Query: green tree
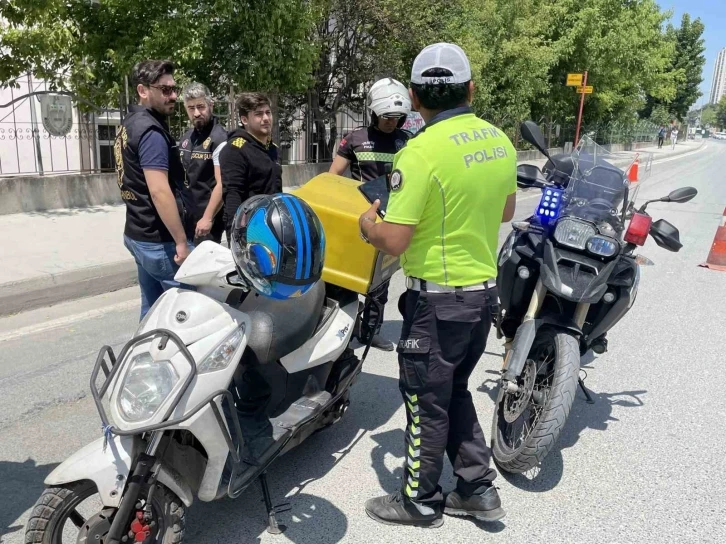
(621, 45)
(686, 68)
(708, 115)
(89, 47)
(660, 115)
(721, 113)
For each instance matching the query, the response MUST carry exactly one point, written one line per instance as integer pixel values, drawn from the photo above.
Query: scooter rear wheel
(61, 516)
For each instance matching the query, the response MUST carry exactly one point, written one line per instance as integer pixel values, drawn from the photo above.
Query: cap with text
(447, 56)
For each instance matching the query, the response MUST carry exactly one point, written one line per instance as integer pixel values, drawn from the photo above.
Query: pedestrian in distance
(150, 177)
(202, 178)
(249, 162)
(368, 151)
(451, 187)
(661, 136)
(674, 136)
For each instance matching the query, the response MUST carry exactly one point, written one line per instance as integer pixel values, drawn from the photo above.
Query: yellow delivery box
(349, 261)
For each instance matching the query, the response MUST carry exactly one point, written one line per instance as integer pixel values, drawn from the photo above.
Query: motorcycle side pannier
(349, 261)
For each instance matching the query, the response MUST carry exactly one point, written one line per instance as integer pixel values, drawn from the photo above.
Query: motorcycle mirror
(684, 194)
(532, 134)
(666, 235)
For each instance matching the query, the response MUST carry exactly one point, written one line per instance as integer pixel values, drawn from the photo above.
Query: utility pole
(579, 116)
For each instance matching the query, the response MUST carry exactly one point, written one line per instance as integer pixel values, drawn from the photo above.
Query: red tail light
(638, 229)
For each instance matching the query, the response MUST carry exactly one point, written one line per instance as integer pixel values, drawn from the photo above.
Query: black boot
(395, 509)
(381, 343)
(485, 507)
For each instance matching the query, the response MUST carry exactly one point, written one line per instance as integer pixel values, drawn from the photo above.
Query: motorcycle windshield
(604, 183)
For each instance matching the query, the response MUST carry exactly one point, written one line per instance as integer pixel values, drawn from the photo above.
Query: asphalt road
(645, 463)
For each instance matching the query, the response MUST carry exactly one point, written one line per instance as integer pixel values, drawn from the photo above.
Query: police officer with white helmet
(369, 151)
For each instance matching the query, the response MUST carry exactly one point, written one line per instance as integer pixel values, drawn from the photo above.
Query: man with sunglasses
(369, 151)
(150, 177)
(202, 176)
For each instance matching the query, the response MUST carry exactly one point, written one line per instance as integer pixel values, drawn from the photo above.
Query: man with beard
(149, 176)
(249, 163)
(202, 179)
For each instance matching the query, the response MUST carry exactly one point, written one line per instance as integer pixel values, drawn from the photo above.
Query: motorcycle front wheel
(527, 424)
(73, 513)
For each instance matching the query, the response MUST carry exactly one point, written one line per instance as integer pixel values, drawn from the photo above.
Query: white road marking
(68, 320)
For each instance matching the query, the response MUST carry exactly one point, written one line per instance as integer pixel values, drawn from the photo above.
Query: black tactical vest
(142, 219)
(195, 150)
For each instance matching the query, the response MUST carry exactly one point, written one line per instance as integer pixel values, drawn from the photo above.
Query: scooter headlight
(146, 386)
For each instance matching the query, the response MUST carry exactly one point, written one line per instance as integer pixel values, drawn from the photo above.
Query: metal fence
(26, 147)
(306, 134)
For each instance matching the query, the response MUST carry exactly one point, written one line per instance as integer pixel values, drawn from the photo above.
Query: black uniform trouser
(370, 323)
(443, 337)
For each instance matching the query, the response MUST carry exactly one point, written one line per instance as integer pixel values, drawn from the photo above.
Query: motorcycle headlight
(603, 246)
(146, 386)
(223, 354)
(574, 233)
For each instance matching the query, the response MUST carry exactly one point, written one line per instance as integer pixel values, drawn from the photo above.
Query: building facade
(718, 85)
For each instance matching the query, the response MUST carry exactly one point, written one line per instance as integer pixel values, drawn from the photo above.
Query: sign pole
(582, 104)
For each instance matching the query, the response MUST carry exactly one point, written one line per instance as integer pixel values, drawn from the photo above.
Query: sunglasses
(167, 90)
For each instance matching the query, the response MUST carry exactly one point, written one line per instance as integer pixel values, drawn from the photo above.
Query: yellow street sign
(585, 90)
(574, 80)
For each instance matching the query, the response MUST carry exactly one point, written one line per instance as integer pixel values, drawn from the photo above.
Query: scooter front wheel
(73, 513)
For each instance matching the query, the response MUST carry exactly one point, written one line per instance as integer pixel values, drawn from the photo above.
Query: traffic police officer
(451, 187)
(150, 175)
(368, 151)
(202, 180)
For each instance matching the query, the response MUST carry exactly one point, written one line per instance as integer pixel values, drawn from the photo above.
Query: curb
(20, 296)
(33, 293)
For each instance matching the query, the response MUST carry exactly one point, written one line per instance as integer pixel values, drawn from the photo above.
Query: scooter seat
(279, 327)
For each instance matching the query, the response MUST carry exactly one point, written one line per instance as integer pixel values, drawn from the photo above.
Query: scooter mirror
(532, 134)
(684, 194)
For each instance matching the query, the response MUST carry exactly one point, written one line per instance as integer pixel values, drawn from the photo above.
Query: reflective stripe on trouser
(443, 337)
(374, 156)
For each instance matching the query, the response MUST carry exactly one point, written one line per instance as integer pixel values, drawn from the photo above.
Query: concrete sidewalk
(57, 255)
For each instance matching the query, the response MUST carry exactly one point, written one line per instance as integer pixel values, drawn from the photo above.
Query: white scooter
(214, 386)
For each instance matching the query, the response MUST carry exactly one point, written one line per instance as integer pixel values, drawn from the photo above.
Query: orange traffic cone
(717, 256)
(633, 172)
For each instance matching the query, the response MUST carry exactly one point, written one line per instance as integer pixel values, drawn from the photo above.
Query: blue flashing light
(549, 207)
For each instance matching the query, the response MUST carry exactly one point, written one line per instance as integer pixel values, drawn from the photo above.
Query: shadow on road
(22, 484)
(311, 518)
(582, 416)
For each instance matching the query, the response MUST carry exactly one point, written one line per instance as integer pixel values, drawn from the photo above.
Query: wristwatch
(360, 229)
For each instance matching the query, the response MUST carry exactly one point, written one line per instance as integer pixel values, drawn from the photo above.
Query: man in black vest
(202, 179)
(249, 161)
(150, 174)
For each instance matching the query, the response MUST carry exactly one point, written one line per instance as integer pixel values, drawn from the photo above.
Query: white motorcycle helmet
(389, 97)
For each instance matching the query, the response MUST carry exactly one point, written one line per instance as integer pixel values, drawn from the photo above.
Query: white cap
(448, 56)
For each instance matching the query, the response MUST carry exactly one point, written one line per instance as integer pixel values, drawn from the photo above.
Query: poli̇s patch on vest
(396, 180)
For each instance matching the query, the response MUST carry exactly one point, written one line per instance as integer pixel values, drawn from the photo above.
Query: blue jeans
(156, 268)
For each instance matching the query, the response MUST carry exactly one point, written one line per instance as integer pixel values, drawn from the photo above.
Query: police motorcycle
(220, 381)
(566, 276)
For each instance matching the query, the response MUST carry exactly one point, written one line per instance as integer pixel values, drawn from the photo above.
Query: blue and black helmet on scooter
(278, 245)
